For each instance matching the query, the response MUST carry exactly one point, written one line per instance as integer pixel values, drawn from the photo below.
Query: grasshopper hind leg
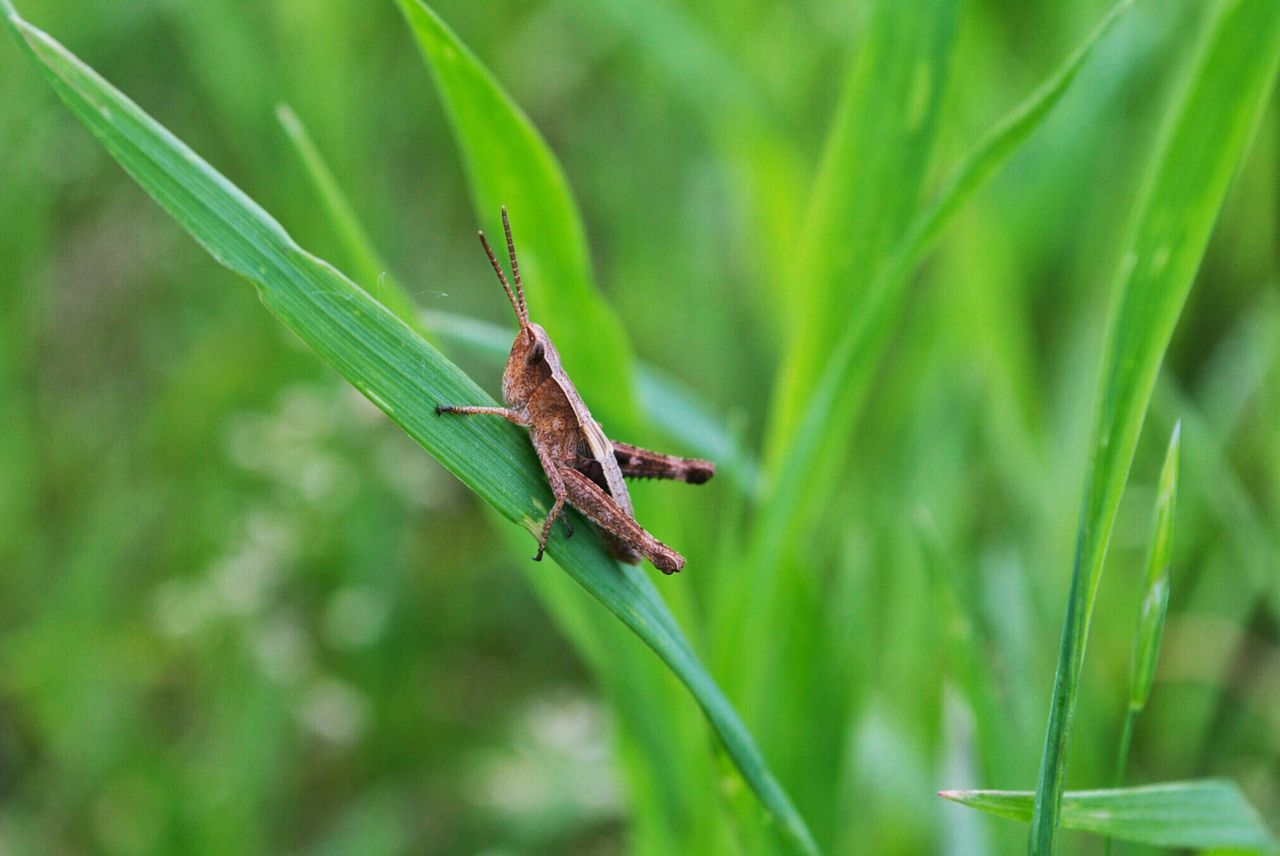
(602, 510)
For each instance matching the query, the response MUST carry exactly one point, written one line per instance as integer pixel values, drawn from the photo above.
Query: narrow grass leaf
(1155, 603)
(370, 268)
(390, 364)
(508, 162)
(1196, 814)
(1201, 144)
(1149, 629)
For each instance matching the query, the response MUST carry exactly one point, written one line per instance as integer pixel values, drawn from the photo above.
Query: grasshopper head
(527, 366)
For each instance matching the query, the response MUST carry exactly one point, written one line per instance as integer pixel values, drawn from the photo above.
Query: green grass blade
(391, 365)
(1156, 602)
(1198, 814)
(508, 162)
(993, 151)
(824, 428)
(870, 183)
(1201, 145)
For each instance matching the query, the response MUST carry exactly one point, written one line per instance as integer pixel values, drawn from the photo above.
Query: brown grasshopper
(585, 468)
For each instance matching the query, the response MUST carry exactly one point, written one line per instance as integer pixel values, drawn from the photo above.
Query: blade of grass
(508, 162)
(834, 405)
(1224, 496)
(823, 431)
(392, 366)
(1198, 814)
(1202, 142)
(1155, 604)
(1149, 628)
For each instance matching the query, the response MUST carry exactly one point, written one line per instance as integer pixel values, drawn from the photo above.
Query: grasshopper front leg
(601, 509)
(522, 419)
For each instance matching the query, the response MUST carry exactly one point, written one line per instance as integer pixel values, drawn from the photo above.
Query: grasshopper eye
(536, 354)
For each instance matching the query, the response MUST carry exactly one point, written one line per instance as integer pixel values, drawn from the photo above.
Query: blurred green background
(241, 612)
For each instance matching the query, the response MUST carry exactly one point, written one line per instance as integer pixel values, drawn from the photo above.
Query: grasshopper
(583, 466)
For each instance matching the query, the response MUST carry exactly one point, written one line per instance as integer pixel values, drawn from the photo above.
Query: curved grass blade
(508, 162)
(1200, 814)
(392, 366)
(1201, 144)
(824, 428)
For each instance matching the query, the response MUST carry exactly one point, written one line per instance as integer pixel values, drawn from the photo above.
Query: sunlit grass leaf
(802, 476)
(390, 364)
(1204, 137)
(508, 163)
(1200, 814)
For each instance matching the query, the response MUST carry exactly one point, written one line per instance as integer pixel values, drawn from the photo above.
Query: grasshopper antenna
(515, 266)
(522, 314)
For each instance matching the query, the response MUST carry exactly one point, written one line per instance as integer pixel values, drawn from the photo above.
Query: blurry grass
(387, 362)
(803, 476)
(867, 190)
(1204, 140)
(1155, 604)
